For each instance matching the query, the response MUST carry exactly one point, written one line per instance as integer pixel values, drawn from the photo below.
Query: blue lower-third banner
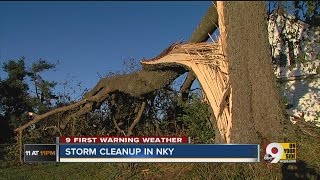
(159, 153)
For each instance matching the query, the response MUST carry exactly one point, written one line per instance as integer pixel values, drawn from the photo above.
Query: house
(295, 50)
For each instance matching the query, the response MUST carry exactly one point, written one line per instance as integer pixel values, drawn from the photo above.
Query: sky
(90, 39)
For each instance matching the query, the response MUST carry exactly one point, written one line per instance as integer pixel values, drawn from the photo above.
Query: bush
(196, 118)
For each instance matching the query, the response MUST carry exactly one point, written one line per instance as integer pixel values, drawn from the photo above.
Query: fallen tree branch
(136, 121)
(186, 86)
(56, 129)
(86, 109)
(116, 124)
(135, 84)
(38, 118)
(52, 112)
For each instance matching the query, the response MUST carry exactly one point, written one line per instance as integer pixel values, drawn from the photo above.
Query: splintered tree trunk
(256, 108)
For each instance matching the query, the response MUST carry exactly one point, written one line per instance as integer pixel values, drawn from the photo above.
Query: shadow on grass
(299, 170)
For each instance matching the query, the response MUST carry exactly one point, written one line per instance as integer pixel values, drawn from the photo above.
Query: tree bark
(256, 107)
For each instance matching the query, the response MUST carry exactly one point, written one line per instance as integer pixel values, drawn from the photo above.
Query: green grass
(307, 167)
(114, 171)
(160, 171)
(62, 171)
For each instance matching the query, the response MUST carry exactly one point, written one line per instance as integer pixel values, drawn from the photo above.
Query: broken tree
(235, 74)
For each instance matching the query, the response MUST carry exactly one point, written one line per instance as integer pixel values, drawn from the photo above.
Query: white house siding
(302, 94)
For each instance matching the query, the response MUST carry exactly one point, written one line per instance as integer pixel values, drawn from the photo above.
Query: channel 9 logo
(280, 152)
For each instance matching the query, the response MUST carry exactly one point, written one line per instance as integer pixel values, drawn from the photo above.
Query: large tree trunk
(256, 109)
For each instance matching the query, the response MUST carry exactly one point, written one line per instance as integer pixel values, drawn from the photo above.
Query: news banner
(145, 149)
